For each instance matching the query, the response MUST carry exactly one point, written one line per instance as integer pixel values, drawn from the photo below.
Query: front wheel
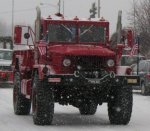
(120, 105)
(42, 102)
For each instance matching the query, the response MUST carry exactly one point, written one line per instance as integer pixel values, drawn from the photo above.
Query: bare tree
(5, 29)
(140, 19)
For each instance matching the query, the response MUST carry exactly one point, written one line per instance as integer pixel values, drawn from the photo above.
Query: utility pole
(138, 54)
(134, 17)
(137, 38)
(99, 7)
(59, 6)
(63, 8)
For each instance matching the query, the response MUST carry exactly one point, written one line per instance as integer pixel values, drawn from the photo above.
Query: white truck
(6, 74)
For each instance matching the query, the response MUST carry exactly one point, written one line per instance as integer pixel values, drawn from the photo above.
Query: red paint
(17, 35)
(130, 38)
(77, 50)
(148, 76)
(6, 76)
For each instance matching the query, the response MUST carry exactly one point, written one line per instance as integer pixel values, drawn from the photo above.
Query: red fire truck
(69, 62)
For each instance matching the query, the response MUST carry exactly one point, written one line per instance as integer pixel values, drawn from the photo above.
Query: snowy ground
(67, 118)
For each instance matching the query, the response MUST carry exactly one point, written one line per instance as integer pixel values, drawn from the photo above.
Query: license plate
(132, 81)
(94, 81)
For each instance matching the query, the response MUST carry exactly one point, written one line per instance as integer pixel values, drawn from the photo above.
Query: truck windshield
(68, 33)
(92, 33)
(5, 55)
(61, 33)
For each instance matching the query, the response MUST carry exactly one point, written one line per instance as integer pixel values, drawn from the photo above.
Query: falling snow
(118, 109)
(67, 118)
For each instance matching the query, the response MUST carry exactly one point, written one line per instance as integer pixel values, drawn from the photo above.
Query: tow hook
(112, 75)
(76, 74)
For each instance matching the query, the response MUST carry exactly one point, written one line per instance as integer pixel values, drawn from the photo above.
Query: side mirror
(17, 35)
(26, 35)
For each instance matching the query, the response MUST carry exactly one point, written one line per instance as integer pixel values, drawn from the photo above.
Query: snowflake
(118, 109)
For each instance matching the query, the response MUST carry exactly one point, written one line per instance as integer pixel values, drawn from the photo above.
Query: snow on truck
(69, 62)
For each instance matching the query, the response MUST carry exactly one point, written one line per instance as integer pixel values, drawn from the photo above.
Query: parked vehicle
(6, 73)
(69, 62)
(127, 60)
(6, 42)
(144, 73)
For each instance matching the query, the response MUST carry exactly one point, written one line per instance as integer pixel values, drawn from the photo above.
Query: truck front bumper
(73, 80)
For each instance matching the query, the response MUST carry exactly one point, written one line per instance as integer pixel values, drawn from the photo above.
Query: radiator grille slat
(90, 62)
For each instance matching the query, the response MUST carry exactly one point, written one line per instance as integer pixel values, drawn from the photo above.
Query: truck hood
(81, 50)
(5, 62)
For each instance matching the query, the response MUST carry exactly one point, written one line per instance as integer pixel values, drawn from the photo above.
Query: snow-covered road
(67, 118)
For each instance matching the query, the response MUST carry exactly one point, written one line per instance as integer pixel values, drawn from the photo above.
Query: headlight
(110, 63)
(67, 62)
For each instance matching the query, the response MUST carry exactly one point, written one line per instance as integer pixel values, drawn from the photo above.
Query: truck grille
(90, 62)
(91, 66)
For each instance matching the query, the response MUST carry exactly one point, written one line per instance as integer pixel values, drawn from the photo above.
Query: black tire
(88, 108)
(144, 90)
(120, 105)
(42, 102)
(21, 104)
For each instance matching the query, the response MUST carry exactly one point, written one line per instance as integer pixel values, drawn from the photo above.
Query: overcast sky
(25, 10)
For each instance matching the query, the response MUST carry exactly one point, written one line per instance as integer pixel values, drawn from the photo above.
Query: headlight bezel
(110, 63)
(66, 62)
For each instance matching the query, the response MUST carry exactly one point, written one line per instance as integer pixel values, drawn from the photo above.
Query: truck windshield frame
(77, 33)
(62, 33)
(92, 34)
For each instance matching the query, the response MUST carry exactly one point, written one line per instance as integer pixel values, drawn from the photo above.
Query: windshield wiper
(86, 30)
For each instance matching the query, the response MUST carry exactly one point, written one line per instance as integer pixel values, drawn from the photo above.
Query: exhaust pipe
(38, 24)
(37, 33)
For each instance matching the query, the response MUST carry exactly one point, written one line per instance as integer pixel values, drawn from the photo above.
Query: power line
(20, 11)
(17, 11)
(49, 4)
